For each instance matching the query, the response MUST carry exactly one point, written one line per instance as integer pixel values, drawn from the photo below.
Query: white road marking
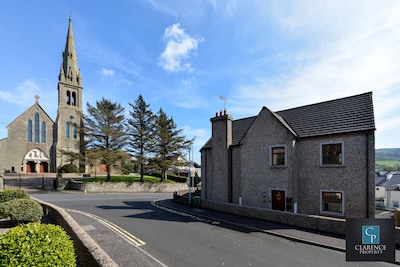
(120, 231)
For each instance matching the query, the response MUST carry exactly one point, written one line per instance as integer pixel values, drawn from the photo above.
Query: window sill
(332, 166)
(278, 166)
(331, 214)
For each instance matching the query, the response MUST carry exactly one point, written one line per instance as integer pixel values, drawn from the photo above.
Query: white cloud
(23, 94)
(180, 46)
(107, 72)
(340, 52)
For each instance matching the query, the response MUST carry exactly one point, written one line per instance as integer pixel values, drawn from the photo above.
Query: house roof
(380, 180)
(344, 115)
(393, 182)
(349, 114)
(240, 128)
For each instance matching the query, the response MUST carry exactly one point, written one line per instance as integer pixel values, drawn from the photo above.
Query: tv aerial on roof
(223, 98)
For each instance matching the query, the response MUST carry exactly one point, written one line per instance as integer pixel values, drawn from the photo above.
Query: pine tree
(141, 126)
(105, 131)
(169, 143)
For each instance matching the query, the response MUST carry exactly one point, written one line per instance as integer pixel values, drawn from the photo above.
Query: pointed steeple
(69, 71)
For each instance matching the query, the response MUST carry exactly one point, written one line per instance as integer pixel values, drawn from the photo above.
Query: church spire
(69, 71)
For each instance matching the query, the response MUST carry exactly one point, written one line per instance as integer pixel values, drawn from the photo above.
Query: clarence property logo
(370, 240)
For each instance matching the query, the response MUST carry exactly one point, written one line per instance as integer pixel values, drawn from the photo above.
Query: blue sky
(183, 55)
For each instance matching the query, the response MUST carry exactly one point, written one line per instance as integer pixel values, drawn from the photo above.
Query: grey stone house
(317, 159)
(35, 143)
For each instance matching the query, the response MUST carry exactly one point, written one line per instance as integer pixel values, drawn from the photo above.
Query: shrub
(176, 178)
(68, 168)
(21, 210)
(36, 244)
(8, 195)
(172, 177)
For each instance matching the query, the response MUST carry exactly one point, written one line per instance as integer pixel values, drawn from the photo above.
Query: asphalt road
(177, 240)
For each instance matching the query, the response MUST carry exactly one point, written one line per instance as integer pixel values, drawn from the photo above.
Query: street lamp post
(190, 177)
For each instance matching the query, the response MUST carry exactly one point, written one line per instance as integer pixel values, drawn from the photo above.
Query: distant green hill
(384, 154)
(387, 159)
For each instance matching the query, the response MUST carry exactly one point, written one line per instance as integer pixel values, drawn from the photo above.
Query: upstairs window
(73, 99)
(37, 129)
(68, 100)
(278, 156)
(30, 131)
(67, 130)
(75, 131)
(44, 132)
(332, 153)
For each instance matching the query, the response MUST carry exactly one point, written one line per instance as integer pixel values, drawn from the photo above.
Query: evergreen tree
(141, 125)
(105, 131)
(169, 143)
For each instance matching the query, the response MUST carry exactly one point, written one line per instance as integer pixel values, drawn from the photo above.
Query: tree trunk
(141, 174)
(108, 168)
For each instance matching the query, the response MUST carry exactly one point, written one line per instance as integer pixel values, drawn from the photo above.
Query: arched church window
(67, 129)
(30, 131)
(75, 131)
(73, 98)
(44, 132)
(68, 98)
(37, 130)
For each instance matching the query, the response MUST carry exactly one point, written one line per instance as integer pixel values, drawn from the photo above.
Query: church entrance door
(36, 161)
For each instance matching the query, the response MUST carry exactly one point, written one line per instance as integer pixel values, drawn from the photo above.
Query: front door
(278, 200)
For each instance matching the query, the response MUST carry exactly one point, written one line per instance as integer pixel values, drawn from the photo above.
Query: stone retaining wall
(88, 251)
(127, 187)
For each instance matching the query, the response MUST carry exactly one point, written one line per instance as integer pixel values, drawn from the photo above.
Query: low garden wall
(317, 223)
(88, 251)
(97, 187)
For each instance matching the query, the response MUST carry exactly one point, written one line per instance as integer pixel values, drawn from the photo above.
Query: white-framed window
(278, 156)
(332, 202)
(332, 154)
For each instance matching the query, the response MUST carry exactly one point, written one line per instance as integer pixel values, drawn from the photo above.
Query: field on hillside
(381, 165)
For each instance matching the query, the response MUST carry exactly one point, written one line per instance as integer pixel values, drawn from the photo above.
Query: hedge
(36, 244)
(21, 210)
(172, 177)
(8, 195)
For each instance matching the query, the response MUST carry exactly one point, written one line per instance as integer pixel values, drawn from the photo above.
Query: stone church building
(35, 143)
